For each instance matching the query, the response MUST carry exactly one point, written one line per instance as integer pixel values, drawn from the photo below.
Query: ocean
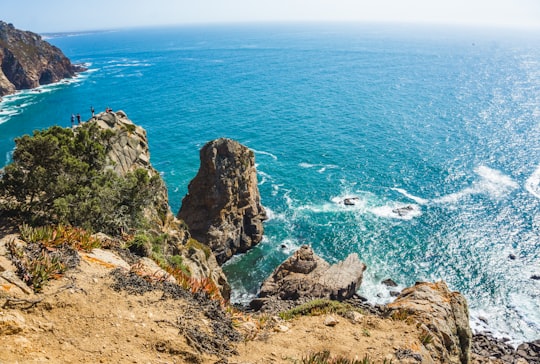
(432, 134)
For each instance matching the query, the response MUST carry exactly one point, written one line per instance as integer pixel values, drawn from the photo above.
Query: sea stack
(27, 61)
(223, 206)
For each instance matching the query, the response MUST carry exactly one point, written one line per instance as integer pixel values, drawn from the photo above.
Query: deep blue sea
(444, 123)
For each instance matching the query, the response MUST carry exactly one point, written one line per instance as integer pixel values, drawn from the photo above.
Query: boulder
(306, 275)
(222, 208)
(443, 316)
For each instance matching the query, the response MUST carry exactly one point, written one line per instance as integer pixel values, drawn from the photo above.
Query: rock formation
(222, 207)
(27, 61)
(306, 275)
(128, 151)
(443, 316)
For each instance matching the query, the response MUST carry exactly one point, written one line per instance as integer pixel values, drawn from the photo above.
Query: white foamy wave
(9, 157)
(306, 165)
(270, 215)
(495, 182)
(289, 246)
(395, 211)
(130, 64)
(419, 200)
(265, 153)
(533, 183)
(322, 167)
(492, 182)
(373, 289)
(265, 177)
(349, 202)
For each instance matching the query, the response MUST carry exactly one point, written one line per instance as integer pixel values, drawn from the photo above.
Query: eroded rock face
(306, 275)
(27, 61)
(443, 316)
(128, 149)
(222, 207)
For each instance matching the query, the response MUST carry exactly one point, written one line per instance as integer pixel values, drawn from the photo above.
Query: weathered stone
(444, 316)
(330, 321)
(106, 258)
(354, 316)
(146, 267)
(305, 275)
(222, 207)
(11, 323)
(12, 278)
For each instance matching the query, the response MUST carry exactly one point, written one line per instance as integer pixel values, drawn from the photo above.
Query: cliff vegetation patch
(63, 176)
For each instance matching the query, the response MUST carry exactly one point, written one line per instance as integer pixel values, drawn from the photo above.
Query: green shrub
(59, 176)
(317, 307)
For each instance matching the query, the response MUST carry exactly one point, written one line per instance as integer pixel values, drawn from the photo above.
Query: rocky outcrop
(443, 316)
(127, 151)
(305, 275)
(27, 61)
(222, 207)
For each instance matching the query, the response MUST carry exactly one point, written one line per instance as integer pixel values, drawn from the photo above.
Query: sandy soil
(80, 318)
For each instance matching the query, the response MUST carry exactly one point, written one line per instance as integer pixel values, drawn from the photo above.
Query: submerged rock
(222, 208)
(306, 275)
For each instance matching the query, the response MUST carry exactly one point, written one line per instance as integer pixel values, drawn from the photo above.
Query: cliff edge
(27, 61)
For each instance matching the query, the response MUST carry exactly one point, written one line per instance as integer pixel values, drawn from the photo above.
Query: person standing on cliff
(72, 121)
(79, 119)
(92, 110)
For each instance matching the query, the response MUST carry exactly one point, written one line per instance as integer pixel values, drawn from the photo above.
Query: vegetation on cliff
(60, 175)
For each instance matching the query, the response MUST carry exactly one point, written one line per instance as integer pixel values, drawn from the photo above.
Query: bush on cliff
(60, 175)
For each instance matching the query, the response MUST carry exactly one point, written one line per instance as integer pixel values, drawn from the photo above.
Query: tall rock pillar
(222, 208)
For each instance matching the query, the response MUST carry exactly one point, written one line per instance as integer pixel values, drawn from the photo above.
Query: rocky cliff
(442, 315)
(222, 207)
(27, 61)
(127, 151)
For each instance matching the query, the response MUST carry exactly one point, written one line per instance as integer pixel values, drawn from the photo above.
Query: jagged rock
(443, 316)
(389, 283)
(222, 207)
(305, 274)
(27, 61)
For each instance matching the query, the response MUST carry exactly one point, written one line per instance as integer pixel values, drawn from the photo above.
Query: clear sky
(71, 15)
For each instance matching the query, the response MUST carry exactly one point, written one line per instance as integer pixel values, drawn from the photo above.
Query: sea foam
(533, 183)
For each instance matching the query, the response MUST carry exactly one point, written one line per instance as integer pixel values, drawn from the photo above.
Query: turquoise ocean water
(444, 122)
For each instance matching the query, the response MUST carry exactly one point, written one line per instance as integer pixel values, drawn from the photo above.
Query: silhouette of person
(78, 118)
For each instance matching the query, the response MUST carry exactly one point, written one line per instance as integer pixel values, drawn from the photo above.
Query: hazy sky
(70, 15)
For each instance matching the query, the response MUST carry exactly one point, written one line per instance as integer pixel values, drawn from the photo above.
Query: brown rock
(306, 275)
(222, 207)
(444, 317)
(27, 61)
